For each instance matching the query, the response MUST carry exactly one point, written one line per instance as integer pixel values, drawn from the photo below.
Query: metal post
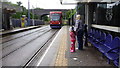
(1, 15)
(71, 18)
(33, 16)
(86, 14)
(28, 11)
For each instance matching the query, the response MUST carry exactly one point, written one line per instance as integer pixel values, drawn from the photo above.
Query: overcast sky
(46, 4)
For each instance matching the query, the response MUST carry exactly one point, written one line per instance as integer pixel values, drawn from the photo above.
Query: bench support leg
(108, 61)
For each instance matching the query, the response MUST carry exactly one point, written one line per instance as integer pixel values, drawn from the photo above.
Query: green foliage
(36, 17)
(11, 3)
(70, 13)
(18, 15)
(24, 9)
(19, 3)
(38, 8)
(45, 18)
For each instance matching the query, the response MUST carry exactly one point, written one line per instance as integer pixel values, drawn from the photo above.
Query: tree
(38, 8)
(19, 3)
(18, 15)
(4, 0)
(70, 13)
(45, 18)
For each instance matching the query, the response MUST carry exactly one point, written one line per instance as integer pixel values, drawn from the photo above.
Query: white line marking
(39, 62)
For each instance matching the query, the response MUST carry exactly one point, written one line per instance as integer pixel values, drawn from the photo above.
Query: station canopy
(86, 1)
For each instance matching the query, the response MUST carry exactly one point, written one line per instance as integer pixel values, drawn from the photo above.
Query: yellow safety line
(61, 60)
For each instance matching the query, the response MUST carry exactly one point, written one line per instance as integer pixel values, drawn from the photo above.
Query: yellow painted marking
(60, 59)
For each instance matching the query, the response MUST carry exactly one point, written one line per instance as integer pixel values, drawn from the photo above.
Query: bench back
(103, 36)
(108, 39)
(115, 43)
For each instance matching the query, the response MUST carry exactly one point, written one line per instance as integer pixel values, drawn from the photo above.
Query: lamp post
(28, 11)
(33, 16)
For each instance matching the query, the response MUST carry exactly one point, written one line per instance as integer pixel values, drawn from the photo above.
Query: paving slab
(87, 57)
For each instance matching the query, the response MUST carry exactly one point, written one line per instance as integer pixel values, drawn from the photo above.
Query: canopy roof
(86, 1)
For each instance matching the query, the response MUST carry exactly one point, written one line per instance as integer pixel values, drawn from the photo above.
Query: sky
(45, 4)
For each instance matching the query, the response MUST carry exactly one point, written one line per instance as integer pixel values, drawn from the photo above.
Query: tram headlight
(59, 23)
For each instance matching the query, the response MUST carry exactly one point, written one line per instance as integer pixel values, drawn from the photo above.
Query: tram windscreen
(55, 17)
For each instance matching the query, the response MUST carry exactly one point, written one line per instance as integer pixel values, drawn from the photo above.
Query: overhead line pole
(33, 15)
(28, 11)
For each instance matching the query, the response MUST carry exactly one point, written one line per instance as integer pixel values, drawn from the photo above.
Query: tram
(55, 19)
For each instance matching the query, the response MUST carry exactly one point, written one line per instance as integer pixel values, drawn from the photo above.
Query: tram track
(21, 34)
(38, 52)
(19, 39)
(15, 49)
(24, 55)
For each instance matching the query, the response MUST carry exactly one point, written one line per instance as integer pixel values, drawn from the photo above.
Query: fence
(17, 22)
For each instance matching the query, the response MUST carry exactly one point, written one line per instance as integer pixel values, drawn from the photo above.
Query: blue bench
(116, 62)
(113, 50)
(96, 37)
(108, 46)
(92, 36)
(100, 41)
(102, 46)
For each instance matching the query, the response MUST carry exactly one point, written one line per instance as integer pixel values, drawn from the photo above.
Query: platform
(58, 53)
(16, 30)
